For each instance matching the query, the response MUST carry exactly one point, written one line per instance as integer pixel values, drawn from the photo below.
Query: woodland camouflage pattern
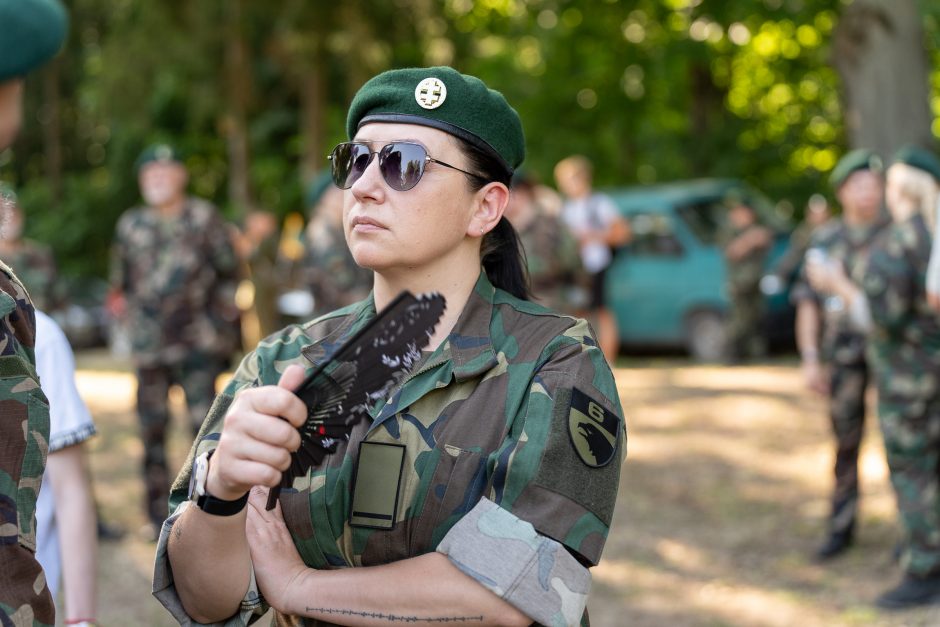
(904, 352)
(24, 437)
(843, 349)
(747, 302)
(179, 278)
(485, 418)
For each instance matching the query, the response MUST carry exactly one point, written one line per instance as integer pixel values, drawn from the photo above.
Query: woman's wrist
(299, 597)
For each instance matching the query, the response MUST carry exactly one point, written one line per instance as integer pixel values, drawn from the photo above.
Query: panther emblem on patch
(594, 431)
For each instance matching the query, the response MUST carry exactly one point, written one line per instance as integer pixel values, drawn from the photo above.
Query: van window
(705, 219)
(654, 234)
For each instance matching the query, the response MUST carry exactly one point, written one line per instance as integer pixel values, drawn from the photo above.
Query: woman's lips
(362, 224)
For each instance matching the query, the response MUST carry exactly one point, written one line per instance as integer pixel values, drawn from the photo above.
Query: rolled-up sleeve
(507, 556)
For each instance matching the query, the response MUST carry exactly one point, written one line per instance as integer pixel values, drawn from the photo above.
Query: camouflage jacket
(179, 277)
(515, 416)
(35, 266)
(553, 261)
(24, 437)
(850, 246)
(904, 346)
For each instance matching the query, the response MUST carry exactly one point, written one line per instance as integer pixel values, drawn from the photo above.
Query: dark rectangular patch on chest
(377, 484)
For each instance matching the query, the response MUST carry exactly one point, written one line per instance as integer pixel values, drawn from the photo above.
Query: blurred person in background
(331, 274)
(173, 279)
(31, 32)
(66, 522)
(551, 252)
(832, 352)
(887, 299)
(257, 247)
(745, 246)
(599, 228)
(788, 267)
(33, 262)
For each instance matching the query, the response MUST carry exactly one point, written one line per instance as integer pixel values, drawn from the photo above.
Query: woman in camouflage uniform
(510, 430)
(889, 301)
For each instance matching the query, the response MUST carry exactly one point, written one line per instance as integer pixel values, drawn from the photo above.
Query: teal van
(667, 287)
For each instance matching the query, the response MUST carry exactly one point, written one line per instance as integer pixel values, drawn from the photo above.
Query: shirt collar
(470, 342)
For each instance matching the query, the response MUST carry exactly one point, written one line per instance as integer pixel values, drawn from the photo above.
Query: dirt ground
(722, 500)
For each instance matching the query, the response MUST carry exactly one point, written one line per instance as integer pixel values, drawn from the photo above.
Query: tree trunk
(52, 128)
(313, 111)
(238, 74)
(879, 53)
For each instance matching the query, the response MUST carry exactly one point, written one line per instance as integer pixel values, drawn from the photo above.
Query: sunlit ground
(722, 501)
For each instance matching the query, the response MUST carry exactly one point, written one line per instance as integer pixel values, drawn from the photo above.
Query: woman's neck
(454, 285)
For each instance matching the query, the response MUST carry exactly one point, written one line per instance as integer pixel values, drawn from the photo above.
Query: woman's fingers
(277, 402)
(292, 378)
(257, 450)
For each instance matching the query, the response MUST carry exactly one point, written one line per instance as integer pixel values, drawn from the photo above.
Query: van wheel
(706, 336)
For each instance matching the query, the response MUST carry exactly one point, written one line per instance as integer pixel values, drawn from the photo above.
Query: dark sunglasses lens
(402, 165)
(349, 161)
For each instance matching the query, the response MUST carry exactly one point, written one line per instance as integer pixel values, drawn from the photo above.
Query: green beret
(317, 188)
(31, 32)
(859, 159)
(164, 153)
(445, 99)
(919, 158)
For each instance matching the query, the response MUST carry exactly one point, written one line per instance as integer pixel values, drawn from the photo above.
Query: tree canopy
(255, 93)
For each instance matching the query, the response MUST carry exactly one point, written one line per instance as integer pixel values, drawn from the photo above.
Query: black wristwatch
(201, 497)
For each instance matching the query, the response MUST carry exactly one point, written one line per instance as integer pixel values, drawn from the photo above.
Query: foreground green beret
(31, 32)
(919, 158)
(859, 159)
(445, 99)
(162, 153)
(317, 188)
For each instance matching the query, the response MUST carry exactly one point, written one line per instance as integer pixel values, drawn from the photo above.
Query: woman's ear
(491, 202)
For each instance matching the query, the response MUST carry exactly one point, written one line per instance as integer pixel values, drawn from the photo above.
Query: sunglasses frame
(382, 155)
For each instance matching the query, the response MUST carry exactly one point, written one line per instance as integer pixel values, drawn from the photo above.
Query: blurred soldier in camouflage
(31, 31)
(887, 298)
(173, 277)
(790, 263)
(833, 354)
(32, 261)
(330, 271)
(551, 251)
(745, 247)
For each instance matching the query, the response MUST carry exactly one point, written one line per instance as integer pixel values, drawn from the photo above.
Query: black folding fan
(363, 370)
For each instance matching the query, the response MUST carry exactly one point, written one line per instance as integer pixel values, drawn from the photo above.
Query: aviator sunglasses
(401, 164)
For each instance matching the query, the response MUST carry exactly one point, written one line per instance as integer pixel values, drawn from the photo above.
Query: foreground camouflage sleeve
(164, 589)
(555, 479)
(509, 558)
(24, 435)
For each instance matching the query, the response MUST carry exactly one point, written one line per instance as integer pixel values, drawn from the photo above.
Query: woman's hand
(277, 564)
(826, 276)
(255, 445)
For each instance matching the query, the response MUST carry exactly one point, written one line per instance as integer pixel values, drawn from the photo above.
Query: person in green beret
(887, 300)
(509, 433)
(173, 278)
(832, 352)
(31, 32)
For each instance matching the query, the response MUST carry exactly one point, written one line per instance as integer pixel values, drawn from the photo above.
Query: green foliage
(651, 90)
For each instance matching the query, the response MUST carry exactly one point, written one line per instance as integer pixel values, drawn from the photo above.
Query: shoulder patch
(593, 430)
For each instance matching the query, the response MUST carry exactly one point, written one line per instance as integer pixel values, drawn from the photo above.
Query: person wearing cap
(31, 32)
(887, 300)
(832, 352)
(330, 273)
(173, 278)
(745, 245)
(599, 228)
(511, 430)
(551, 251)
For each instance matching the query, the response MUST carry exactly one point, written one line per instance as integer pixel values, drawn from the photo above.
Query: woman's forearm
(77, 530)
(211, 563)
(424, 589)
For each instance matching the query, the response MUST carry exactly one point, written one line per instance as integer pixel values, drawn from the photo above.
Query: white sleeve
(69, 420)
(933, 267)
(606, 209)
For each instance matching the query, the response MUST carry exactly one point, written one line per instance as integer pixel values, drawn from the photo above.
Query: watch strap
(217, 507)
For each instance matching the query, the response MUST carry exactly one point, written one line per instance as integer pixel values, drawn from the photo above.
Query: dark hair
(501, 253)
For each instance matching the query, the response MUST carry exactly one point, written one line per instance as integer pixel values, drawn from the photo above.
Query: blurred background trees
(255, 93)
